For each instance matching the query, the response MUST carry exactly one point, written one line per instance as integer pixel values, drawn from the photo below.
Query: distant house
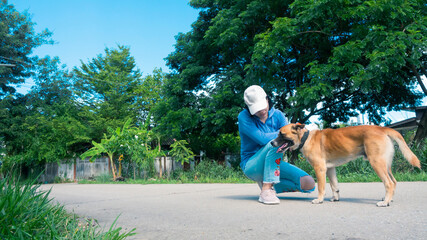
(410, 123)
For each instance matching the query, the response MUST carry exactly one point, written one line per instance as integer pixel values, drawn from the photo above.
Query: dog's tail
(407, 153)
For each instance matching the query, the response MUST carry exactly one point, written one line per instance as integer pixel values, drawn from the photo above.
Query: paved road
(231, 211)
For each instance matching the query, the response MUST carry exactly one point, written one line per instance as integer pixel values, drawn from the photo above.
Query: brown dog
(329, 148)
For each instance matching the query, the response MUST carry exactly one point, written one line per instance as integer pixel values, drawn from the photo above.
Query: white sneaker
(268, 197)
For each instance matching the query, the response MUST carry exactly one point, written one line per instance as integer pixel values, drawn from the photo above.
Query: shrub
(210, 171)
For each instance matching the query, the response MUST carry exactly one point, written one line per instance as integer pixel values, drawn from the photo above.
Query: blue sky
(82, 29)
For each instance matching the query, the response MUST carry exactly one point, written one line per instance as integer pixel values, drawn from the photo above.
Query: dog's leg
(381, 169)
(380, 154)
(320, 170)
(392, 179)
(391, 176)
(332, 175)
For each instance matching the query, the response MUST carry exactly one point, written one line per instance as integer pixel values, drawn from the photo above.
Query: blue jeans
(267, 166)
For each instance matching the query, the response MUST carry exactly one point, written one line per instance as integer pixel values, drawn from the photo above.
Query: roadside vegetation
(29, 213)
(210, 171)
(206, 173)
(335, 60)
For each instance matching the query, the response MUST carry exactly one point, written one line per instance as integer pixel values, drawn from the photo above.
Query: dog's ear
(298, 126)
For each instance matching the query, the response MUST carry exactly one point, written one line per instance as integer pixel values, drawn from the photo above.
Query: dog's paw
(383, 204)
(317, 201)
(334, 199)
(384, 198)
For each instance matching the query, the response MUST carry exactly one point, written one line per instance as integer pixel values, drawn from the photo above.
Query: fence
(83, 169)
(73, 170)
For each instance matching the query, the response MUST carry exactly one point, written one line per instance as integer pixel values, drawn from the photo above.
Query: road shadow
(255, 197)
(241, 197)
(359, 200)
(294, 198)
(364, 201)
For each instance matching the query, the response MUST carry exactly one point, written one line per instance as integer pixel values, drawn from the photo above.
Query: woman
(259, 124)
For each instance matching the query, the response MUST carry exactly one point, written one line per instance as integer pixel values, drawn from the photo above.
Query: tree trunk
(164, 164)
(160, 167)
(75, 171)
(422, 129)
(120, 169)
(422, 125)
(134, 171)
(420, 81)
(112, 166)
(423, 70)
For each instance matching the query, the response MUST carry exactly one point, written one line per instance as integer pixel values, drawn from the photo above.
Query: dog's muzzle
(283, 143)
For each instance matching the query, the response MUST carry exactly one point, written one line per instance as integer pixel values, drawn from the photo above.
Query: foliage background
(331, 59)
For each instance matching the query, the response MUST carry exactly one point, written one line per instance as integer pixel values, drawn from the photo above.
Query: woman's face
(262, 114)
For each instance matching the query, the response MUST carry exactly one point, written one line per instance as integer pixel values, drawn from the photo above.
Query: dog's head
(289, 137)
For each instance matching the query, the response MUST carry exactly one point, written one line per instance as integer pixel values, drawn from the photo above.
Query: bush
(104, 178)
(210, 171)
(28, 213)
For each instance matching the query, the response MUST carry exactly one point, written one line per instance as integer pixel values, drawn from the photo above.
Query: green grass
(206, 172)
(28, 213)
(372, 177)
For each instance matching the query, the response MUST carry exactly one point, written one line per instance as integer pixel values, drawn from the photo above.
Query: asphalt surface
(231, 211)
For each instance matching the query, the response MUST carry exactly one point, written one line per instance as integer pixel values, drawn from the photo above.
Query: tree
(180, 152)
(17, 40)
(111, 89)
(209, 65)
(339, 59)
(334, 59)
(421, 133)
(43, 125)
(149, 93)
(138, 146)
(110, 146)
(131, 141)
(176, 115)
(13, 112)
(106, 146)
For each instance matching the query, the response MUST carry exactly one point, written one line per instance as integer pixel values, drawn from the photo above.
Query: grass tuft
(28, 213)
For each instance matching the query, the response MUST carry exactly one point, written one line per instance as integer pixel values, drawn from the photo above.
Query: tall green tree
(203, 95)
(337, 59)
(43, 125)
(333, 59)
(108, 89)
(13, 112)
(53, 100)
(17, 41)
(177, 114)
(150, 93)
